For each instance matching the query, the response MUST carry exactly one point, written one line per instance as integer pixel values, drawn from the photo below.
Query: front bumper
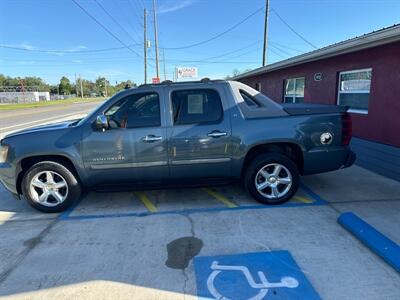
(322, 160)
(8, 177)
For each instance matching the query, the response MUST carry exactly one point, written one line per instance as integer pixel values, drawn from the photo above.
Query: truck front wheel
(50, 187)
(272, 178)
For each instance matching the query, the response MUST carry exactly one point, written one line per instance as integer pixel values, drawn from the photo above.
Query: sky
(57, 38)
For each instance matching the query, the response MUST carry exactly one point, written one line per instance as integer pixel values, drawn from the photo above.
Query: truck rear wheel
(272, 178)
(50, 187)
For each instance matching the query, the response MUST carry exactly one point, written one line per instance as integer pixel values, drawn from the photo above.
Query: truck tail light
(347, 129)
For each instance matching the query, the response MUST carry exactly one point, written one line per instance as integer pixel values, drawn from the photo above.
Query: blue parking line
(318, 201)
(372, 238)
(313, 195)
(66, 214)
(187, 211)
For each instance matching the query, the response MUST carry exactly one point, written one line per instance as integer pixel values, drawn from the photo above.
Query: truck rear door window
(196, 106)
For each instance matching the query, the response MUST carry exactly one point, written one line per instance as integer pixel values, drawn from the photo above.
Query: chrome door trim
(129, 165)
(200, 161)
(151, 138)
(217, 134)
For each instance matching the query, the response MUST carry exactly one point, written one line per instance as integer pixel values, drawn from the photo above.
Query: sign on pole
(155, 80)
(186, 72)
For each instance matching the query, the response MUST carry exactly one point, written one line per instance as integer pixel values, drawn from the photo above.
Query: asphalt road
(11, 121)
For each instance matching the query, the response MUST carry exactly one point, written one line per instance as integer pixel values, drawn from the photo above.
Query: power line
(128, 17)
(201, 60)
(276, 53)
(292, 29)
(104, 27)
(66, 51)
(281, 50)
(218, 35)
(276, 45)
(233, 51)
(115, 21)
(128, 60)
(286, 46)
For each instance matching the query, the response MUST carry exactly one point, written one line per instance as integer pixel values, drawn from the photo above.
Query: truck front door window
(134, 111)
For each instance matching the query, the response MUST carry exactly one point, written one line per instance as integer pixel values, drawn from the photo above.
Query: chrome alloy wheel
(273, 181)
(48, 188)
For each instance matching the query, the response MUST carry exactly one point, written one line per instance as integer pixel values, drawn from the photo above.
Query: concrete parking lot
(148, 244)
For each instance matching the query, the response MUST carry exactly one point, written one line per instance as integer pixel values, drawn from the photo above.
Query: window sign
(195, 104)
(354, 89)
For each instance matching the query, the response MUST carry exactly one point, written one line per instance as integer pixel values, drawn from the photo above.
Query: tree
(235, 73)
(65, 86)
(100, 84)
(123, 85)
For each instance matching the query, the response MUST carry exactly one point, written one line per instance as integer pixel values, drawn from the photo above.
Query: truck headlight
(3, 153)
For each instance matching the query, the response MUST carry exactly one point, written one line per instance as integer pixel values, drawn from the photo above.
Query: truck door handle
(217, 134)
(151, 138)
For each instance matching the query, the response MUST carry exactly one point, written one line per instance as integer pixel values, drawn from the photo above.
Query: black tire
(263, 160)
(73, 186)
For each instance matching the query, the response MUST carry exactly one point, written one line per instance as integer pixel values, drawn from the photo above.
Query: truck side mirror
(101, 122)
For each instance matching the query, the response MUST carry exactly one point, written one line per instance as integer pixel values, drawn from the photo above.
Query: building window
(354, 88)
(294, 90)
(258, 86)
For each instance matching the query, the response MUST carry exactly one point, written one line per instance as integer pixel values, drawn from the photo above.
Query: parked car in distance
(174, 132)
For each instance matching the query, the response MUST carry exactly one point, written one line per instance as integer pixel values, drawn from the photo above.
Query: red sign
(155, 80)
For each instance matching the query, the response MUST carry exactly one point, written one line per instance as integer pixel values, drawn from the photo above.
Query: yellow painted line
(146, 201)
(303, 199)
(220, 198)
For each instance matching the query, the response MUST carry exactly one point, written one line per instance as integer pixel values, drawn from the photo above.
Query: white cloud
(21, 45)
(170, 6)
(25, 62)
(80, 47)
(28, 46)
(56, 53)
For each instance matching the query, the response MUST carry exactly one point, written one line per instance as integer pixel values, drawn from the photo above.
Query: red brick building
(363, 73)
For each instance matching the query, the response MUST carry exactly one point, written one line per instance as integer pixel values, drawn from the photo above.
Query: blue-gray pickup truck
(177, 134)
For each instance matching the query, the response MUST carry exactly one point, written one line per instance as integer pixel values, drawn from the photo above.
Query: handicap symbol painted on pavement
(254, 276)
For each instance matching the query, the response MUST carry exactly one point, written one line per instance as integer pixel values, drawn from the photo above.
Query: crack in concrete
(193, 234)
(30, 245)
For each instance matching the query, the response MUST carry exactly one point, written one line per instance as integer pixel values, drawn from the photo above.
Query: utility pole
(145, 45)
(155, 36)
(76, 86)
(163, 55)
(80, 81)
(105, 86)
(264, 62)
